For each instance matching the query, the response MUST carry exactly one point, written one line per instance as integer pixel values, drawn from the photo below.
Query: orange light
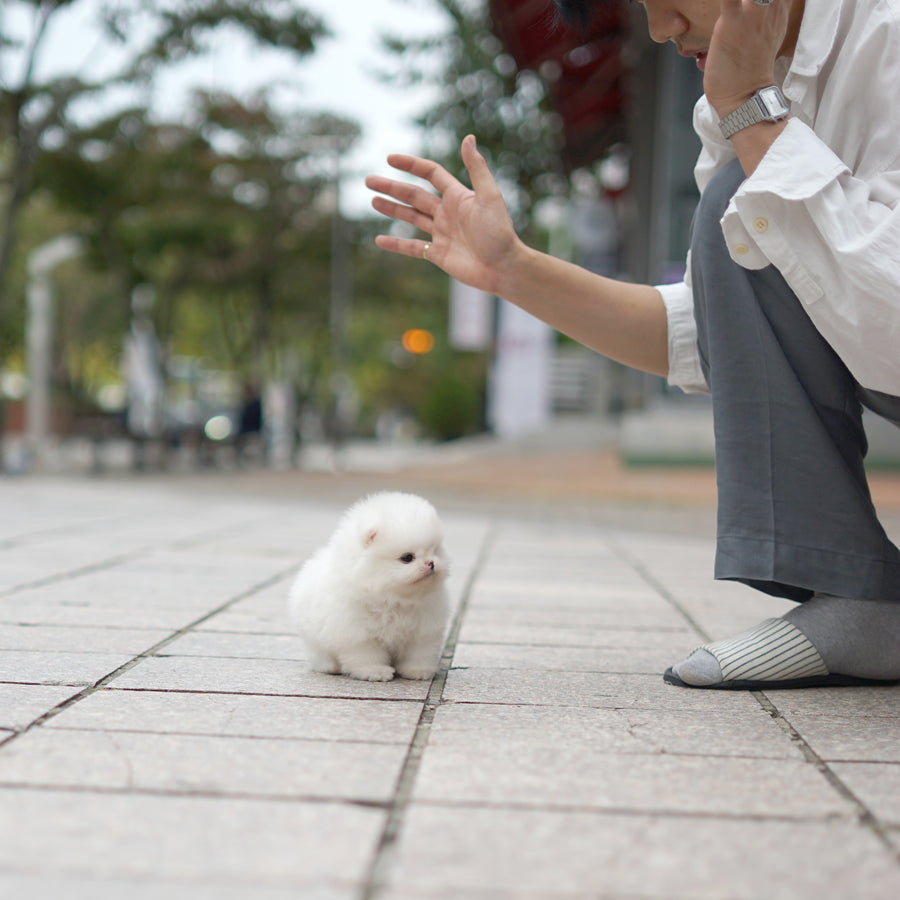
(418, 341)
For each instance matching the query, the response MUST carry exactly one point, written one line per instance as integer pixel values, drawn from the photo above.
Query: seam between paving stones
(193, 793)
(108, 563)
(77, 572)
(864, 815)
(383, 858)
(150, 652)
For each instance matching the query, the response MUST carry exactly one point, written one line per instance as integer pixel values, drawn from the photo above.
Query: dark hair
(576, 12)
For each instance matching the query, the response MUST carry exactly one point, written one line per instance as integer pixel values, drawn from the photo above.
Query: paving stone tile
(35, 667)
(37, 887)
(17, 574)
(476, 630)
(311, 718)
(235, 843)
(258, 676)
(83, 640)
(564, 659)
(748, 734)
(60, 555)
(577, 595)
(877, 785)
(596, 617)
(634, 611)
(194, 569)
(159, 583)
(839, 701)
(201, 764)
(35, 608)
(402, 892)
(486, 772)
(857, 738)
(549, 688)
(236, 644)
(450, 851)
(251, 620)
(893, 836)
(553, 592)
(21, 704)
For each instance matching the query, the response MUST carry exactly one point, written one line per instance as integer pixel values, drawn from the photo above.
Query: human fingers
(477, 167)
(426, 169)
(413, 196)
(746, 40)
(766, 15)
(404, 246)
(403, 213)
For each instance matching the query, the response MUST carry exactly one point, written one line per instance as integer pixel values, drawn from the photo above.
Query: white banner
(519, 399)
(471, 317)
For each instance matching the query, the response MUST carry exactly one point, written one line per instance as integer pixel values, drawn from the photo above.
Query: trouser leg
(795, 515)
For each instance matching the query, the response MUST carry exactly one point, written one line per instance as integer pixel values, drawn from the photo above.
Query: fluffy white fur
(373, 600)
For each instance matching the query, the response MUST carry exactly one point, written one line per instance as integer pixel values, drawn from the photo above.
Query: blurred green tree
(153, 34)
(226, 215)
(482, 92)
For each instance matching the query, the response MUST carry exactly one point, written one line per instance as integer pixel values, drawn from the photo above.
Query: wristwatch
(766, 105)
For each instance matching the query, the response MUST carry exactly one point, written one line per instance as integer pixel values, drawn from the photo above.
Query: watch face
(773, 101)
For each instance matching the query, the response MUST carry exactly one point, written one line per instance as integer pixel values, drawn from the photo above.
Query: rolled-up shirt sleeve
(835, 237)
(685, 371)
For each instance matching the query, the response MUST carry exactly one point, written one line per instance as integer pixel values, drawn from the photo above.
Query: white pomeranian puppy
(373, 600)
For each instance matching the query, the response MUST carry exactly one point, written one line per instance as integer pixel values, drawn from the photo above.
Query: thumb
(476, 166)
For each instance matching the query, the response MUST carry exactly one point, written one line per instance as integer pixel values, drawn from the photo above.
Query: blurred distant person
(250, 423)
(143, 373)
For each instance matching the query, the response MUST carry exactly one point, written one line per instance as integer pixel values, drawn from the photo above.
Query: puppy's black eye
(407, 558)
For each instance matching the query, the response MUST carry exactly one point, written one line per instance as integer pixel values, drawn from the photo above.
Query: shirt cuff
(685, 371)
(777, 176)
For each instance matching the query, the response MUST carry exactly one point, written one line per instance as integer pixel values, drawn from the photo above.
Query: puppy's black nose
(430, 564)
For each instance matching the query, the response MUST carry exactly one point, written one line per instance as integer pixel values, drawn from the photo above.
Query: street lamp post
(39, 341)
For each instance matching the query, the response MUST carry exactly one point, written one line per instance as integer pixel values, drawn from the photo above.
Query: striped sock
(775, 650)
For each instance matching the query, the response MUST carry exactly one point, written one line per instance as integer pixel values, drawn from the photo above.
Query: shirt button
(741, 249)
(761, 225)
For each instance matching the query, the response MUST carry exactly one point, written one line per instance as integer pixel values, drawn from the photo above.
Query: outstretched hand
(471, 233)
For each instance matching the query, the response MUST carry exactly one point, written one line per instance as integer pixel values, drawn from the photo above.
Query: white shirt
(823, 206)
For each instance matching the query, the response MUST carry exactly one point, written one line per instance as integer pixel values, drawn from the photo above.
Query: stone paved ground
(161, 736)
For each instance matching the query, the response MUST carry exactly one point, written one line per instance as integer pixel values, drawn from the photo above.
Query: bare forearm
(473, 240)
(623, 321)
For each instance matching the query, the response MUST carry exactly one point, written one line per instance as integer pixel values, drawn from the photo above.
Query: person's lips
(698, 55)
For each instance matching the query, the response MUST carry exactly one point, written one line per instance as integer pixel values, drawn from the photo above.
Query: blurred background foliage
(483, 92)
(229, 215)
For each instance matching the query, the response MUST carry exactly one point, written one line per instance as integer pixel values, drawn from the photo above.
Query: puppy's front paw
(372, 673)
(416, 673)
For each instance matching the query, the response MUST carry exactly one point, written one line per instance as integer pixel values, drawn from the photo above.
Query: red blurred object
(582, 68)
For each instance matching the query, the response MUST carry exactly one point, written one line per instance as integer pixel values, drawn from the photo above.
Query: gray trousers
(795, 515)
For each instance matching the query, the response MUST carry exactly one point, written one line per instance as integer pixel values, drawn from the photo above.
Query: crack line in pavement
(376, 879)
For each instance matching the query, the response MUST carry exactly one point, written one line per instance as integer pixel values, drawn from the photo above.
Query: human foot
(825, 641)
